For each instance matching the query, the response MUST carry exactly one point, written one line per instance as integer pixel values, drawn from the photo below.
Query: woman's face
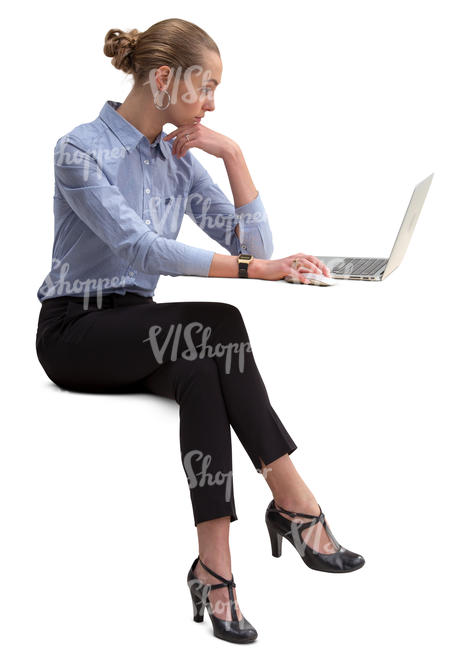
(194, 94)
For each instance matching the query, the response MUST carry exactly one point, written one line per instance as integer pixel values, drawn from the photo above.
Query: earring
(161, 108)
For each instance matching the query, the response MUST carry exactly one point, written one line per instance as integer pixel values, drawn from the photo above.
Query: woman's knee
(232, 309)
(231, 315)
(223, 309)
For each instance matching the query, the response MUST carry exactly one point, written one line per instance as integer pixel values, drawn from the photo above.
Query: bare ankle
(298, 503)
(218, 561)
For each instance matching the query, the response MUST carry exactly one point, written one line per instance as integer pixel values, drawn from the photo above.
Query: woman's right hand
(279, 269)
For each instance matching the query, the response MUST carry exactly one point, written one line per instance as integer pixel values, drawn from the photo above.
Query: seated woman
(122, 187)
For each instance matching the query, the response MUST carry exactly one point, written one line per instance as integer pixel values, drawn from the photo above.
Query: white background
(339, 109)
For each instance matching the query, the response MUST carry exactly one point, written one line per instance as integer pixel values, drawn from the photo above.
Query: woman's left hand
(201, 137)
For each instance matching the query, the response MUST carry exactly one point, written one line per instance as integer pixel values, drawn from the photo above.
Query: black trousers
(197, 353)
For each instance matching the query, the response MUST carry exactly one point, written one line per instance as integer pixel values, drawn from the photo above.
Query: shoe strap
(224, 583)
(315, 518)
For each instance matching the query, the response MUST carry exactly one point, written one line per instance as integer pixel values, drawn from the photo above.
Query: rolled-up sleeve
(209, 207)
(105, 210)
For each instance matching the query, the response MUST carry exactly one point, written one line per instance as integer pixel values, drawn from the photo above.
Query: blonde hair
(173, 42)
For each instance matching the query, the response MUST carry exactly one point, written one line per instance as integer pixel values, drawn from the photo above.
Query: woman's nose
(209, 106)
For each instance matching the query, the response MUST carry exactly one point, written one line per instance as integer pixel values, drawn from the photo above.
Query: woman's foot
(291, 492)
(314, 536)
(218, 598)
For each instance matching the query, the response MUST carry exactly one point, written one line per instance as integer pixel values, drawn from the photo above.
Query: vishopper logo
(202, 476)
(61, 286)
(91, 160)
(190, 353)
(222, 222)
(166, 214)
(219, 606)
(310, 537)
(190, 96)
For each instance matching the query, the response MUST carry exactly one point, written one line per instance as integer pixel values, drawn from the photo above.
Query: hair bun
(119, 46)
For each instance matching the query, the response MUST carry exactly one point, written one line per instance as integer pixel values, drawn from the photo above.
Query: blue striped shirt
(119, 202)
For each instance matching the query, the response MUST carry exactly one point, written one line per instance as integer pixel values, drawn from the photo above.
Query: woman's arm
(83, 185)
(212, 211)
(240, 180)
(243, 191)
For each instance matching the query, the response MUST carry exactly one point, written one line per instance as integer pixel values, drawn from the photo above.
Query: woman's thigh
(116, 348)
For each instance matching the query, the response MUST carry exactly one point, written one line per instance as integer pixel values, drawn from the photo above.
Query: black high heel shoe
(236, 631)
(342, 561)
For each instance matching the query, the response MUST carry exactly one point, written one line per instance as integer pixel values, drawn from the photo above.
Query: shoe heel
(198, 607)
(276, 541)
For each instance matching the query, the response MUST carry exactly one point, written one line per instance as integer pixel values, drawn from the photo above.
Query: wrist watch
(244, 261)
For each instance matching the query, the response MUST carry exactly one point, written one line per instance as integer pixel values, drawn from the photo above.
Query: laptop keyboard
(359, 266)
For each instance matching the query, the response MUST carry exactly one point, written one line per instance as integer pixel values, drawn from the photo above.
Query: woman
(121, 189)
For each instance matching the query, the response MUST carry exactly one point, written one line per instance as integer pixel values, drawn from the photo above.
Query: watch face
(244, 256)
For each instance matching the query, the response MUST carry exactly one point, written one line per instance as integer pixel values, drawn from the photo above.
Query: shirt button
(147, 162)
(148, 222)
(131, 273)
(147, 191)
(244, 246)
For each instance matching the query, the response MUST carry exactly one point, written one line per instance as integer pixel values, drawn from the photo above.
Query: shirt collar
(126, 132)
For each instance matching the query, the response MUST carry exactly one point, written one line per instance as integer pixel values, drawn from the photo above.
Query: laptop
(378, 268)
